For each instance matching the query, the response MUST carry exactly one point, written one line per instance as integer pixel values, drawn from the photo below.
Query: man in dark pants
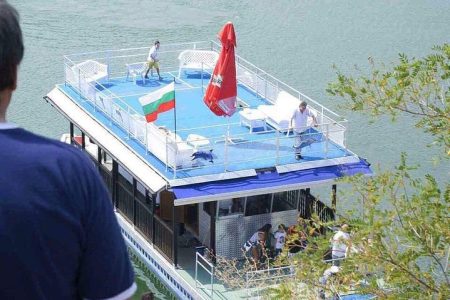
(58, 233)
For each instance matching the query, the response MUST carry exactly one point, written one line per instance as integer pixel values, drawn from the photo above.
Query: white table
(253, 118)
(197, 141)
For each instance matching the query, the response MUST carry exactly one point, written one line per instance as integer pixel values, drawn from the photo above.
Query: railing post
(246, 284)
(196, 268)
(146, 137)
(256, 85)
(321, 116)
(167, 151)
(176, 156)
(212, 282)
(202, 80)
(226, 151)
(79, 83)
(278, 149)
(326, 139)
(129, 122)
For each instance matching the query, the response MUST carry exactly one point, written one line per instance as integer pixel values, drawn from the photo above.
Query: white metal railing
(202, 263)
(257, 281)
(264, 85)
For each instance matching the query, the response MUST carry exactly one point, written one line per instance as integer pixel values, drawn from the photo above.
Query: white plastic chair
(202, 60)
(137, 69)
(90, 71)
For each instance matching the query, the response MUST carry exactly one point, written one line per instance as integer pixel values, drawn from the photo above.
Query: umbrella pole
(227, 140)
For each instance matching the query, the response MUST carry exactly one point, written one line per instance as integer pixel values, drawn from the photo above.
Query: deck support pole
(115, 174)
(153, 215)
(83, 142)
(99, 157)
(333, 199)
(134, 200)
(71, 132)
(175, 235)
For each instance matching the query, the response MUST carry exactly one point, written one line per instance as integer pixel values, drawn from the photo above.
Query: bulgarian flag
(157, 102)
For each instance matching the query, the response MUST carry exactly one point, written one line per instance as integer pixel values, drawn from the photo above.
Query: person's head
(302, 106)
(11, 53)
(266, 228)
(157, 44)
(281, 227)
(344, 227)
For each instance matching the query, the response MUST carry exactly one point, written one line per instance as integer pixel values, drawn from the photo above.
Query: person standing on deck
(340, 243)
(280, 239)
(58, 233)
(153, 60)
(298, 124)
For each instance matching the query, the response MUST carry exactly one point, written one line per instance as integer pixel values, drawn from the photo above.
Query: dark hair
(11, 44)
(266, 228)
(156, 42)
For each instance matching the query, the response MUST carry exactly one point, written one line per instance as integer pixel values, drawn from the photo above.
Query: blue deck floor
(245, 150)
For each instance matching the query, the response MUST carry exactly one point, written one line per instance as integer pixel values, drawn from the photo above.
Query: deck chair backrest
(195, 57)
(92, 67)
(286, 101)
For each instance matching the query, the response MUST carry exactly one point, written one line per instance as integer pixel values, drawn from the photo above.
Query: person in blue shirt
(59, 238)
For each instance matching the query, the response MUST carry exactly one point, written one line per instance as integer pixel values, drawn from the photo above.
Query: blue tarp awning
(265, 183)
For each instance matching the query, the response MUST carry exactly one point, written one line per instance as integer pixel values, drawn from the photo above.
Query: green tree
(401, 243)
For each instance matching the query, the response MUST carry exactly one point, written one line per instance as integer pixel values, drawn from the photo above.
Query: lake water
(296, 40)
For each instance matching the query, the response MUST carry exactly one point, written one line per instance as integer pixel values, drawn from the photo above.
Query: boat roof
(107, 108)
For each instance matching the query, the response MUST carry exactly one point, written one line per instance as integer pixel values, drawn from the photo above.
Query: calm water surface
(298, 41)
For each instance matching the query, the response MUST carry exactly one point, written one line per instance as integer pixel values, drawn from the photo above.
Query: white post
(326, 139)
(203, 91)
(256, 84)
(226, 149)
(212, 282)
(278, 148)
(79, 83)
(176, 156)
(167, 152)
(129, 122)
(196, 268)
(321, 117)
(146, 137)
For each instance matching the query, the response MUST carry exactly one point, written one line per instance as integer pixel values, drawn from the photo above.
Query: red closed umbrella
(221, 93)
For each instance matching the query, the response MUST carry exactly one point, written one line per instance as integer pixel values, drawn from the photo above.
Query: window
(285, 201)
(231, 206)
(257, 205)
(210, 208)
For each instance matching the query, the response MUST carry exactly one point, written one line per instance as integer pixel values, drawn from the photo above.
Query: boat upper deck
(189, 144)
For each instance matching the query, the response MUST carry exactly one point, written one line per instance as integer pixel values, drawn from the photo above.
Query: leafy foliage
(418, 87)
(400, 245)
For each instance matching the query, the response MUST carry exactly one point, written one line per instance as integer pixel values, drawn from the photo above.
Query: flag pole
(175, 108)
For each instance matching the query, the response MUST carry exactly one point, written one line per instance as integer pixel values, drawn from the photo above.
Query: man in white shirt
(340, 245)
(299, 121)
(153, 60)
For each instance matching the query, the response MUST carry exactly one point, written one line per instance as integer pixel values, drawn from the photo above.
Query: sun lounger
(279, 114)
